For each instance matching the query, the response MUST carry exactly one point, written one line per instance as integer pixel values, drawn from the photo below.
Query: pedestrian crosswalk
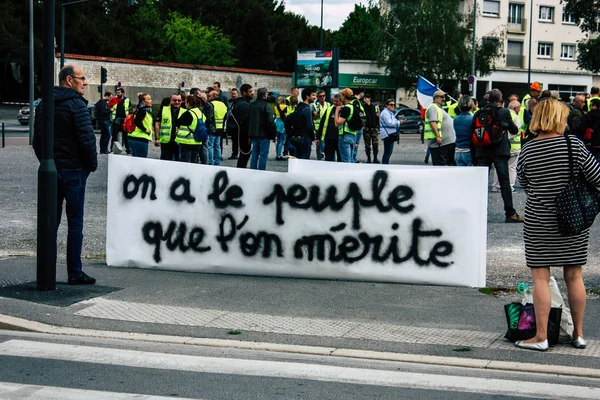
(302, 370)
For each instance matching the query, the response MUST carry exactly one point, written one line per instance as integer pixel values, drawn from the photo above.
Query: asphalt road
(187, 371)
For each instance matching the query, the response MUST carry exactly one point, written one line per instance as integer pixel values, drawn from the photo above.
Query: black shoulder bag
(577, 204)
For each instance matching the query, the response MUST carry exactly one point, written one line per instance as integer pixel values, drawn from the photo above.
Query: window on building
(567, 52)
(567, 18)
(515, 13)
(514, 54)
(545, 50)
(567, 91)
(491, 8)
(546, 14)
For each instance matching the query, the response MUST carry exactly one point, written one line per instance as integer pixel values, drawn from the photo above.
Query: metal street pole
(530, 38)
(46, 225)
(473, 90)
(31, 72)
(321, 41)
(62, 35)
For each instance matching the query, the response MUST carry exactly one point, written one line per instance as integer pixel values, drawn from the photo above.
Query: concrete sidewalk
(448, 325)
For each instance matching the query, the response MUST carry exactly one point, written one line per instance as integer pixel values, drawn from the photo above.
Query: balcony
(515, 61)
(517, 27)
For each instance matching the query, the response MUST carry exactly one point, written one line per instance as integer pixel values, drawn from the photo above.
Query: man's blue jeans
(346, 145)
(260, 153)
(138, 147)
(105, 136)
(280, 149)
(463, 159)
(303, 148)
(355, 148)
(214, 150)
(71, 188)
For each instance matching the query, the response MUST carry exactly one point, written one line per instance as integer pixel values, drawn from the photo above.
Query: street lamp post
(321, 40)
(530, 38)
(474, 44)
(31, 72)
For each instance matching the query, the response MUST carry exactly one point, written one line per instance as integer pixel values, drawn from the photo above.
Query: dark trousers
(189, 153)
(71, 189)
(104, 136)
(245, 147)
(501, 164)
(388, 148)
(169, 151)
(234, 142)
(117, 127)
(443, 155)
(371, 137)
(332, 150)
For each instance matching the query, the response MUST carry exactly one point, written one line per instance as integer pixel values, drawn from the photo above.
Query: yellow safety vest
(515, 143)
(429, 133)
(346, 128)
(326, 124)
(166, 125)
(290, 109)
(452, 110)
(220, 110)
(185, 134)
(523, 107)
(140, 134)
(323, 108)
(113, 109)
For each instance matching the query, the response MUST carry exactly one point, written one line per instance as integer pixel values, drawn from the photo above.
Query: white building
(538, 40)
(524, 27)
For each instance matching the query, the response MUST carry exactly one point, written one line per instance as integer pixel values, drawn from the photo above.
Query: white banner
(413, 225)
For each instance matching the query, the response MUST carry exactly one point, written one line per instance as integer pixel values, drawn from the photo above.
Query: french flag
(425, 91)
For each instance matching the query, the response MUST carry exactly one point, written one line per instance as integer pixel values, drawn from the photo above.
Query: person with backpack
(589, 129)
(300, 127)
(192, 131)
(347, 117)
(143, 132)
(164, 127)
(491, 127)
(439, 130)
(280, 114)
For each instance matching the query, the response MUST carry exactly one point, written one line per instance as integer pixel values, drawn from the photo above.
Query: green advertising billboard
(317, 68)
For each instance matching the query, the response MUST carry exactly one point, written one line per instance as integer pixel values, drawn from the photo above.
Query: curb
(18, 324)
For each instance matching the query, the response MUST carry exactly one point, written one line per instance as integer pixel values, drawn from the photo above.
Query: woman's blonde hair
(549, 116)
(281, 100)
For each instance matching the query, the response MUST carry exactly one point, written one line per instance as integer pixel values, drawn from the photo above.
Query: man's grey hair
(67, 70)
(261, 93)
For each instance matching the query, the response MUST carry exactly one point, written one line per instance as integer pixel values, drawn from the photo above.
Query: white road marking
(17, 391)
(278, 369)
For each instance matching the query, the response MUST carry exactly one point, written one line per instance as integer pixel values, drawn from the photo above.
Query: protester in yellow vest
(318, 109)
(142, 134)
(594, 94)
(214, 139)
(189, 146)
(295, 92)
(164, 128)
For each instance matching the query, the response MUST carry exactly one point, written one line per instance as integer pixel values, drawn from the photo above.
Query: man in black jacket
(499, 154)
(75, 157)
(299, 125)
(103, 118)
(261, 130)
(589, 129)
(240, 113)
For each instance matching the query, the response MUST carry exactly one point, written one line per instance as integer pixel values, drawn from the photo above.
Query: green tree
(418, 39)
(193, 43)
(358, 37)
(586, 14)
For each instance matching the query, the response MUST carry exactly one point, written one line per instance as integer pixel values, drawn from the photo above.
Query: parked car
(413, 123)
(24, 113)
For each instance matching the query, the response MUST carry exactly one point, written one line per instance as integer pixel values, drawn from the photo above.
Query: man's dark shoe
(376, 161)
(514, 218)
(82, 279)
(233, 157)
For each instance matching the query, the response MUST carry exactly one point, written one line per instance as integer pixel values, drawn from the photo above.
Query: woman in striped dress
(543, 170)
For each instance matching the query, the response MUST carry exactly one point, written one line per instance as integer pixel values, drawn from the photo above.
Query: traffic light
(103, 75)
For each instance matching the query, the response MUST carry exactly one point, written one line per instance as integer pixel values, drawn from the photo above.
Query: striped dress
(543, 170)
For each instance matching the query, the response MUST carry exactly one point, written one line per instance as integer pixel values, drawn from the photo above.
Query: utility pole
(31, 73)
(474, 44)
(321, 40)
(46, 225)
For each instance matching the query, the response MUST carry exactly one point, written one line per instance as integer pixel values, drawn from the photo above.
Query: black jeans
(169, 151)
(245, 147)
(117, 127)
(331, 150)
(233, 133)
(501, 164)
(443, 155)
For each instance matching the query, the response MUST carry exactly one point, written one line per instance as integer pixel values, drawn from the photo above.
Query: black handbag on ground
(520, 319)
(577, 204)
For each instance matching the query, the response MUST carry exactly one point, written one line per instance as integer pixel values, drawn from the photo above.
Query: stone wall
(162, 79)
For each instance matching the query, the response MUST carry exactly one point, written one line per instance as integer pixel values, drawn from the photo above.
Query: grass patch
(495, 291)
